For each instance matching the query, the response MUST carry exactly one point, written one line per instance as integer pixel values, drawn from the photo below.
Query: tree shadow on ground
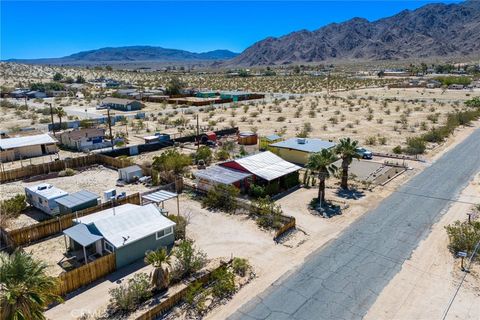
(351, 194)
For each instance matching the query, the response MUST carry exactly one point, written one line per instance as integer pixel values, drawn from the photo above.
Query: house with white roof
(128, 231)
(43, 196)
(27, 147)
(265, 169)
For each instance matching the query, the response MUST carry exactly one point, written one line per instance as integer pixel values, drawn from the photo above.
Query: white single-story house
(121, 104)
(27, 147)
(43, 196)
(84, 139)
(128, 231)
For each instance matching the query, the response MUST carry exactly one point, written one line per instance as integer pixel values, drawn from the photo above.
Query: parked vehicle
(364, 153)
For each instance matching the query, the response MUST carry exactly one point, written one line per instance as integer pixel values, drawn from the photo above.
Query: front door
(44, 149)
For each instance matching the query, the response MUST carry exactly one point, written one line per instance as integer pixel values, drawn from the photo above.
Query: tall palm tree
(26, 289)
(347, 151)
(322, 163)
(158, 259)
(60, 114)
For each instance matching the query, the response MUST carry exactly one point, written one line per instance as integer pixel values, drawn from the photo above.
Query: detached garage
(27, 147)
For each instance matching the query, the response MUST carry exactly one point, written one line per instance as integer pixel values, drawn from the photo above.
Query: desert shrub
(13, 206)
(463, 236)
(397, 150)
(257, 191)
(171, 161)
(203, 153)
(181, 226)
(223, 197)
(268, 213)
(188, 259)
(240, 266)
(272, 188)
(371, 141)
(222, 155)
(223, 283)
(415, 146)
(474, 102)
(196, 296)
(126, 297)
(67, 172)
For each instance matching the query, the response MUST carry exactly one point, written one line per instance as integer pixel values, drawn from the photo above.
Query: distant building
(121, 104)
(235, 95)
(19, 93)
(297, 150)
(36, 94)
(27, 147)
(265, 142)
(84, 139)
(456, 86)
(43, 197)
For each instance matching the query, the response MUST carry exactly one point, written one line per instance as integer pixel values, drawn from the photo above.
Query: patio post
(85, 254)
(65, 239)
(178, 206)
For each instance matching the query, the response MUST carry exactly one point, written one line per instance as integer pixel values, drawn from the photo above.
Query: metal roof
(10, 143)
(311, 145)
(80, 234)
(77, 198)
(127, 223)
(221, 175)
(273, 137)
(47, 191)
(160, 196)
(267, 165)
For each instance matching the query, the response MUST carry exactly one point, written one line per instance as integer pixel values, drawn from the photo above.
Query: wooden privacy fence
(291, 223)
(50, 227)
(86, 274)
(170, 302)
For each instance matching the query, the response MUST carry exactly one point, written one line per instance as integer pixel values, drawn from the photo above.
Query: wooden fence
(81, 276)
(50, 227)
(167, 304)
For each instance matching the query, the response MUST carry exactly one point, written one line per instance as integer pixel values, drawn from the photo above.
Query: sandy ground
(49, 251)
(428, 280)
(96, 179)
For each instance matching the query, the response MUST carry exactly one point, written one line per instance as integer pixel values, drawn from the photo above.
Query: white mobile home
(43, 197)
(27, 147)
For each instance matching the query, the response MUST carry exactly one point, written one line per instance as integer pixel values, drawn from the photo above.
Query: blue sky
(39, 29)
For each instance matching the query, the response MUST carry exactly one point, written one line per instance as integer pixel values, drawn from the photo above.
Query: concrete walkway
(343, 279)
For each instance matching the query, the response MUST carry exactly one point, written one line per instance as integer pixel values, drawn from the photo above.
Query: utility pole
(110, 126)
(198, 134)
(51, 115)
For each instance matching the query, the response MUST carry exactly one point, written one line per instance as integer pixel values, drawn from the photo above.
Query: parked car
(364, 153)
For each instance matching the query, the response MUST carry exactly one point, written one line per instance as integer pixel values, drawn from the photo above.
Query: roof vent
(301, 140)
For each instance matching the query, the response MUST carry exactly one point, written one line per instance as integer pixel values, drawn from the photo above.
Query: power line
(461, 282)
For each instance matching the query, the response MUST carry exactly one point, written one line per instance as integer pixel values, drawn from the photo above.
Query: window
(108, 247)
(163, 233)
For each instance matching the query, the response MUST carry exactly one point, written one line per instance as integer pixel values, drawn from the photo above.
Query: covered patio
(159, 197)
(83, 247)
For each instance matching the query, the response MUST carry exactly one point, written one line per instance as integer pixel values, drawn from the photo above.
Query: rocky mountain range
(135, 54)
(432, 31)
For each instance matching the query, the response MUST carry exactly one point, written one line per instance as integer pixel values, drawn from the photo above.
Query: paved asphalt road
(343, 279)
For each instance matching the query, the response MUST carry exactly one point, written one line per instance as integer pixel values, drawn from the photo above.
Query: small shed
(265, 142)
(130, 174)
(77, 201)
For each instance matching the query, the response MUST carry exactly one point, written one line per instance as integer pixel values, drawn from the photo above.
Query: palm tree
(347, 150)
(322, 163)
(160, 276)
(26, 289)
(60, 114)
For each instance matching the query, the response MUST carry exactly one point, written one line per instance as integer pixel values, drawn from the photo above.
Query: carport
(160, 197)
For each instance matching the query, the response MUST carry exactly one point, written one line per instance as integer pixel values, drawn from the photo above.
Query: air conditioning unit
(301, 140)
(109, 194)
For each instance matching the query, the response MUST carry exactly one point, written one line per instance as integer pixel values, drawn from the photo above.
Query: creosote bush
(463, 236)
(126, 297)
(222, 197)
(13, 206)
